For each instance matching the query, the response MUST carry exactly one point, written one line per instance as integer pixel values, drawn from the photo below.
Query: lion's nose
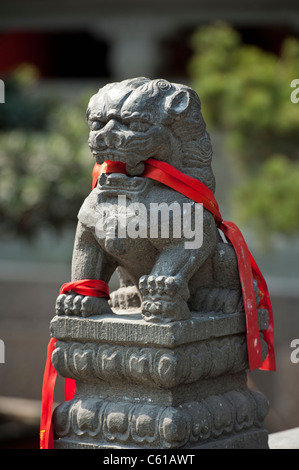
(111, 134)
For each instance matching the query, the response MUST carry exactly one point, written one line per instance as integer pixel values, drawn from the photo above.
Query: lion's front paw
(125, 298)
(164, 298)
(85, 306)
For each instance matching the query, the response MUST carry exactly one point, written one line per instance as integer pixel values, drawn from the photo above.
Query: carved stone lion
(132, 121)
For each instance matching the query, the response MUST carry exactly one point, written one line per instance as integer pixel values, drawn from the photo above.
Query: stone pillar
(153, 386)
(134, 44)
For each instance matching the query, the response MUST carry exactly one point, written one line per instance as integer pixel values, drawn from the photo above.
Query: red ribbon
(93, 288)
(248, 269)
(50, 374)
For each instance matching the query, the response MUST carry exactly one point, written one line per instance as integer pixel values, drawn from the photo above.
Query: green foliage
(271, 197)
(23, 107)
(245, 92)
(45, 170)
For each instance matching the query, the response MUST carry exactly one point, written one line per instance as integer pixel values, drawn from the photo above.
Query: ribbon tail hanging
(265, 302)
(248, 270)
(50, 374)
(49, 381)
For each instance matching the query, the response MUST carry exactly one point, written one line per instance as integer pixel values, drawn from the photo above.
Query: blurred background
(53, 56)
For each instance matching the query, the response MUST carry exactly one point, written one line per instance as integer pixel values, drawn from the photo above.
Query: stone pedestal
(143, 385)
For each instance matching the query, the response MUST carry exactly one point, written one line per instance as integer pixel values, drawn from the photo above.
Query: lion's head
(137, 119)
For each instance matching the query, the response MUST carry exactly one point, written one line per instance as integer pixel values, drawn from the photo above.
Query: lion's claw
(85, 306)
(164, 298)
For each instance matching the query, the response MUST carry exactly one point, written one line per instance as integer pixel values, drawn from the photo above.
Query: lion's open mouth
(134, 163)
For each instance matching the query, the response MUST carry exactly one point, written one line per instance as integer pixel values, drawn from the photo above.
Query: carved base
(100, 423)
(257, 439)
(167, 386)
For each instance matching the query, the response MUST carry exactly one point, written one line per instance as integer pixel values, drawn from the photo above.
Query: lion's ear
(178, 102)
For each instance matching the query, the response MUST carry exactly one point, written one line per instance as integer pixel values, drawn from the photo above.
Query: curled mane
(196, 145)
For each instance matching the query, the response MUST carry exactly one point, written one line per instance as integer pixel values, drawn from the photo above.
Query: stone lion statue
(130, 122)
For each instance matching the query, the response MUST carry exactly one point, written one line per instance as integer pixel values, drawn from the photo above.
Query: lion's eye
(138, 126)
(96, 125)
